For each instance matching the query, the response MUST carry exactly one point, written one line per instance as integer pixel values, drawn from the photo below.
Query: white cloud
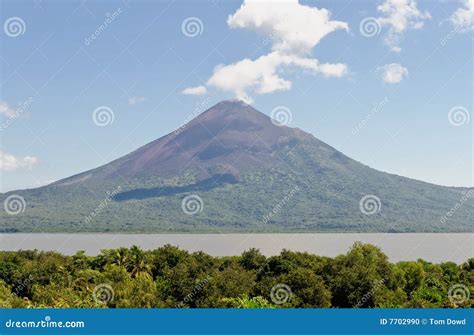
(6, 110)
(261, 75)
(136, 100)
(8, 162)
(197, 90)
(294, 30)
(463, 18)
(394, 73)
(399, 16)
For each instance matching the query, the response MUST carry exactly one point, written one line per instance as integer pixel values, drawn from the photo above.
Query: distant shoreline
(433, 247)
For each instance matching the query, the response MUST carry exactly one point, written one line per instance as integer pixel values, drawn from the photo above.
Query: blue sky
(384, 100)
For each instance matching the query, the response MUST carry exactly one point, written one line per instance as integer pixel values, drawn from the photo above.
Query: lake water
(431, 247)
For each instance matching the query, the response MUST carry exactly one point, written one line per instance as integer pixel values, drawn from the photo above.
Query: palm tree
(138, 262)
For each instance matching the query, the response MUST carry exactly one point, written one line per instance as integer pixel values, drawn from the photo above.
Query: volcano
(229, 138)
(233, 169)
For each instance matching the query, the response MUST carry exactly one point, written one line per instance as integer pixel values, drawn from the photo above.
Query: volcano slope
(231, 169)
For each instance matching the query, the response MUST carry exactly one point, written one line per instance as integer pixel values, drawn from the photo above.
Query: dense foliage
(170, 277)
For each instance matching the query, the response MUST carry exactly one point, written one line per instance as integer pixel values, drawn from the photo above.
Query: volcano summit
(231, 169)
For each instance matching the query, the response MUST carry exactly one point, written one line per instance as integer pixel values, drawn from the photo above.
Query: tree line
(169, 277)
